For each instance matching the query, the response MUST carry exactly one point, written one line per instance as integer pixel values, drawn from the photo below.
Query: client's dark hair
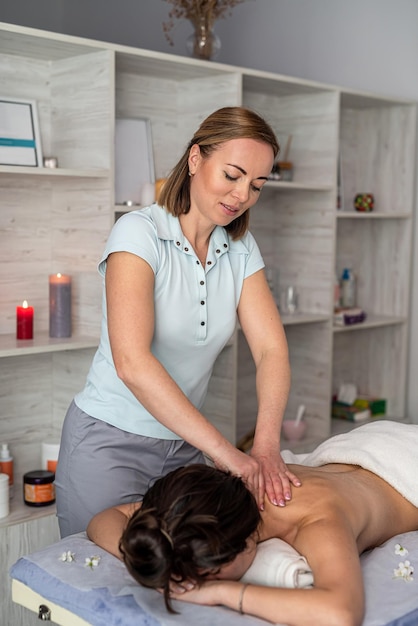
(192, 521)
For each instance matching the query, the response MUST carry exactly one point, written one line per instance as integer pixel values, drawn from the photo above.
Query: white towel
(388, 449)
(277, 564)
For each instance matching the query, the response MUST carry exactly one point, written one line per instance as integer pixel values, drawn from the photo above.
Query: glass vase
(203, 43)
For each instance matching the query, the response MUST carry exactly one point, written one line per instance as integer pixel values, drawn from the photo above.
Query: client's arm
(106, 528)
(336, 598)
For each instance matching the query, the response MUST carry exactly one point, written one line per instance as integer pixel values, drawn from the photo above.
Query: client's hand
(210, 593)
(178, 588)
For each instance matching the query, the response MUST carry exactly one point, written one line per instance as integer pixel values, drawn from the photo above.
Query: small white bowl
(293, 431)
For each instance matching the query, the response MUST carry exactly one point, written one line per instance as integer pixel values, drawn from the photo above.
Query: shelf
(21, 512)
(56, 172)
(10, 346)
(295, 186)
(301, 318)
(372, 321)
(304, 318)
(373, 215)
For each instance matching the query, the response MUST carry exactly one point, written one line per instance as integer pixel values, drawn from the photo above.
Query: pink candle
(59, 305)
(24, 321)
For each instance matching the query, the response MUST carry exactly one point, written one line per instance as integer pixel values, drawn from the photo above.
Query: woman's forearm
(299, 607)
(154, 388)
(151, 384)
(273, 385)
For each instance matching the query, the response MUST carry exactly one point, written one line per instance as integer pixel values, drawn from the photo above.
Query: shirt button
(209, 262)
(218, 251)
(225, 245)
(202, 282)
(186, 249)
(177, 243)
(202, 323)
(197, 263)
(202, 302)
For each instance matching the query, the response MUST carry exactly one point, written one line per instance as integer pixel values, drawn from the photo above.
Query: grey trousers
(100, 466)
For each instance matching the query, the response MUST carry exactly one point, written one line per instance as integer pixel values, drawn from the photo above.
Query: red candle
(24, 321)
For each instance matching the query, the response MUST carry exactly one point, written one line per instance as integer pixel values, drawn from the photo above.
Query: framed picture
(20, 139)
(134, 160)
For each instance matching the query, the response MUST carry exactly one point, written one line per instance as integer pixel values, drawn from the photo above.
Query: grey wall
(369, 45)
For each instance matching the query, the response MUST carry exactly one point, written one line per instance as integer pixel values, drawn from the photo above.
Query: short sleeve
(255, 260)
(136, 233)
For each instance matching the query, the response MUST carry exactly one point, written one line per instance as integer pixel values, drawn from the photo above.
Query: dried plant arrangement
(196, 11)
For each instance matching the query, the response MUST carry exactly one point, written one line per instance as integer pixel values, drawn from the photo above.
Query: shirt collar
(168, 228)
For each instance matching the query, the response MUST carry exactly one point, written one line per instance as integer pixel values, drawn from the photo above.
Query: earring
(190, 174)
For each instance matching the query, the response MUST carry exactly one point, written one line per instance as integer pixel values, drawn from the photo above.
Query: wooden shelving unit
(58, 221)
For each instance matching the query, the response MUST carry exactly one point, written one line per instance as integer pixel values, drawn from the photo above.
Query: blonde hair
(221, 126)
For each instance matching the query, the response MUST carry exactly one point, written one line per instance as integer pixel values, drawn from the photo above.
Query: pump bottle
(6, 465)
(348, 288)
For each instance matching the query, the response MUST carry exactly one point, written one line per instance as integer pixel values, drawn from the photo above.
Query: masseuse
(176, 277)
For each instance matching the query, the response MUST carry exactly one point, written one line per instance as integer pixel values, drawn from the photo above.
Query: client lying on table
(196, 532)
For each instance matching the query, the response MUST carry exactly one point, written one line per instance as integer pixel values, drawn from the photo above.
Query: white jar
(4, 495)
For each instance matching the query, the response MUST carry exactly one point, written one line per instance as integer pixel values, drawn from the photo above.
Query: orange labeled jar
(39, 488)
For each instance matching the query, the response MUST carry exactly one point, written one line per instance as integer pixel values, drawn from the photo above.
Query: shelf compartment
(74, 103)
(174, 97)
(374, 361)
(42, 344)
(311, 118)
(378, 251)
(295, 231)
(377, 148)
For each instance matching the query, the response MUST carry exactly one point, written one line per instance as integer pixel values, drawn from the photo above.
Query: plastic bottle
(337, 292)
(6, 465)
(348, 288)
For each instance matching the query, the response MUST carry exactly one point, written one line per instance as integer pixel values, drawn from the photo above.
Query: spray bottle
(6, 465)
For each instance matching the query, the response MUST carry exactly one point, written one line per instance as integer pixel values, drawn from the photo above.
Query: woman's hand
(246, 467)
(277, 478)
(211, 593)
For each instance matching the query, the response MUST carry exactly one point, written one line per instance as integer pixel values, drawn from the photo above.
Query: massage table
(73, 593)
(107, 595)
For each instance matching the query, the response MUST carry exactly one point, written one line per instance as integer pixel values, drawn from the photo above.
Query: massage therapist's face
(228, 182)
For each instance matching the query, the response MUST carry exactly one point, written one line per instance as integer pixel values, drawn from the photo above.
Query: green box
(377, 406)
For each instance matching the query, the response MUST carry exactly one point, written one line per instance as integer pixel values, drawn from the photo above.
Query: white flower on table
(404, 571)
(400, 550)
(92, 561)
(67, 556)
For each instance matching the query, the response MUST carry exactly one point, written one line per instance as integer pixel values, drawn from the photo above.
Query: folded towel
(277, 564)
(386, 448)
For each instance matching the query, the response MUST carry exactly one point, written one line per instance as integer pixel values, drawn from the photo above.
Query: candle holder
(59, 305)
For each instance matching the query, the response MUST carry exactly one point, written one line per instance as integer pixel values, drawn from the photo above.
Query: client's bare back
(375, 510)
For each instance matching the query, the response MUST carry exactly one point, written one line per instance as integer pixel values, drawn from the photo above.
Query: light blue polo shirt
(195, 313)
